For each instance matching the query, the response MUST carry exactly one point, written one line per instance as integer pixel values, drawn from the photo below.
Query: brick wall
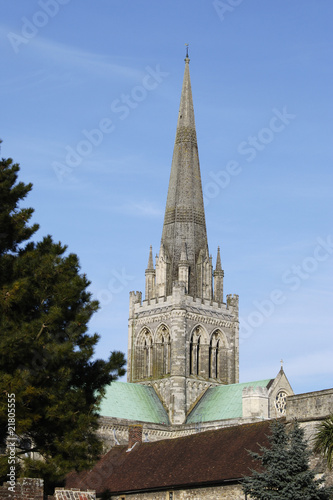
(23, 489)
(33, 489)
(134, 435)
(73, 494)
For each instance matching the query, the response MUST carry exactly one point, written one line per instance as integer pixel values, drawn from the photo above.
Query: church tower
(183, 337)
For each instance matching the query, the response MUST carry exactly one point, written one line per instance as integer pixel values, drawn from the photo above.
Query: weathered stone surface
(181, 346)
(230, 492)
(184, 219)
(310, 406)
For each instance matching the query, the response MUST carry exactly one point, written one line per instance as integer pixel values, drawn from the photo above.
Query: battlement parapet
(180, 300)
(233, 301)
(136, 296)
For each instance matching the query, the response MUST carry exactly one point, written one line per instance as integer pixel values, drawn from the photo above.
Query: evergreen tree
(45, 349)
(323, 442)
(14, 227)
(284, 472)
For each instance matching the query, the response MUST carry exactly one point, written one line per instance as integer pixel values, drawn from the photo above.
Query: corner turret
(183, 268)
(150, 277)
(218, 279)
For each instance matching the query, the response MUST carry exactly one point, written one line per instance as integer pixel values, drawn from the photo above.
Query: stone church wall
(310, 409)
(228, 492)
(310, 405)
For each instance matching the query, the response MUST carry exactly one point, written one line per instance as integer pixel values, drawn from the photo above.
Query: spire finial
(186, 57)
(150, 266)
(218, 260)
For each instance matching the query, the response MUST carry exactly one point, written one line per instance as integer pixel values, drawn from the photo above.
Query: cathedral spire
(184, 212)
(182, 330)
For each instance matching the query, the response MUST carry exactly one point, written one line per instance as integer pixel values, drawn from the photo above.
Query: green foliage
(13, 220)
(323, 442)
(284, 469)
(46, 352)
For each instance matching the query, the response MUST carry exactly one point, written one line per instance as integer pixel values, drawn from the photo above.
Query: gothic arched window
(144, 355)
(191, 356)
(163, 351)
(167, 355)
(148, 357)
(195, 352)
(217, 360)
(215, 355)
(198, 357)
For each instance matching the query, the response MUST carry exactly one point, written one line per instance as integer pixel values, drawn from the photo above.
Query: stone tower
(183, 337)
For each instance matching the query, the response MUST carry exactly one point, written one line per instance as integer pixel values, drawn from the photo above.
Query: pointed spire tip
(150, 259)
(218, 260)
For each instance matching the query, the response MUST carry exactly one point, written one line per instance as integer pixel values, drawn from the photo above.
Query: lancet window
(148, 355)
(163, 351)
(144, 357)
(215, 355)
(195, 352)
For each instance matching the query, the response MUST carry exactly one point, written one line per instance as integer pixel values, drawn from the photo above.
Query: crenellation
(200, 305)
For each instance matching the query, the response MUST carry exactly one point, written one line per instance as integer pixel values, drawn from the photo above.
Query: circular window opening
(280, 402)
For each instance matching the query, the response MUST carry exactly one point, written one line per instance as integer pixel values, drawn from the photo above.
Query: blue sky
(89, 103)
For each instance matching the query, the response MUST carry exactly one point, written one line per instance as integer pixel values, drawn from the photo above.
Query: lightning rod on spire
(186, 45)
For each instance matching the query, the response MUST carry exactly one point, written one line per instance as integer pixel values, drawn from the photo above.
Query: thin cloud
(63, 54)
(85, 60)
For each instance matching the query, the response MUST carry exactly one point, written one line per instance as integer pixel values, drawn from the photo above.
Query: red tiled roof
(210, 457)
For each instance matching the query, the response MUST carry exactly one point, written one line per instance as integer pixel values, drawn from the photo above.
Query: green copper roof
(133, 402)
(222, 402)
